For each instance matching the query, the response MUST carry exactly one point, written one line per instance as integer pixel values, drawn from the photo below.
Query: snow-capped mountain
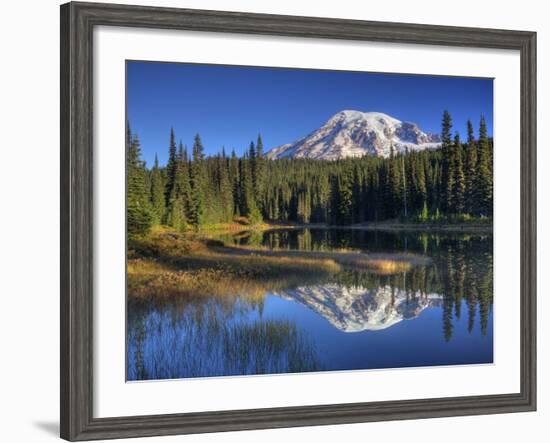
(359, 309)
(355, 134)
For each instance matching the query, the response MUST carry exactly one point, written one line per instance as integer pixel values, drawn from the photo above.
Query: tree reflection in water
(217, 336)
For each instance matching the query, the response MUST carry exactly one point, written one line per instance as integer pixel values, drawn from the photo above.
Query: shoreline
(382, 226)
(170, 264)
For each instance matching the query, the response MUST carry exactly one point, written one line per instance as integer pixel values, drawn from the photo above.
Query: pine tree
(357, 200)
(459, 183)
(178, 211)
(404, 186)
(158, 201)
(364, 204)
(198, 197)
(247, 198)
(304, 207)
(138, 212)
(446, 126)
(235, 180)
(260, 167)
(394, 189)
(171, 167)
(484, 168)
(252, 165)
(470, 172)
(447, 178)
(182, 184)
(422, 189)
(344, 209)
(176, 216)
(225, 188)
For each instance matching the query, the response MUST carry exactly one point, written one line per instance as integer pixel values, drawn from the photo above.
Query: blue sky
(229, 105)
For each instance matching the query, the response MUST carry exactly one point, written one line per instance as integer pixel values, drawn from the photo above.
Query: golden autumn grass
(148, 278)
(165, 264)
(239, 225)
(383, 263)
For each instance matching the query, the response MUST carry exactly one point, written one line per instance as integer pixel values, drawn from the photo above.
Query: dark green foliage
(171, 167)
(451, 183)
(458, 191)
(470, 172)
(394, 186)
(223, 188)
(199, 198)
(178, 207)
(485, 172)
(343, 191)
(138, 206)
(247, 196)
(447, 178)
(260, 167)
(157, 194)
(234, 178)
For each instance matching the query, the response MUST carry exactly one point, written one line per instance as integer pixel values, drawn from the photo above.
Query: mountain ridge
(351, 133)
(357, 309)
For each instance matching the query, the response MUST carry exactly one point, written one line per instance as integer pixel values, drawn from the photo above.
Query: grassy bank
(383, 263)
(165, 264)
(472, 226)
(242, 225)
(482, 225)
(239, 224)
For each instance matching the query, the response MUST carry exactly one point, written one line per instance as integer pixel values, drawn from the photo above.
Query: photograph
(245, 222)
(301, 220)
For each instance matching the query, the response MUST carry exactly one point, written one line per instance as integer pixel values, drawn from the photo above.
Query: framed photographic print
(272, 221)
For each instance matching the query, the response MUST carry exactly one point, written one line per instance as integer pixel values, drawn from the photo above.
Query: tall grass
(165, 264)
(203, 342)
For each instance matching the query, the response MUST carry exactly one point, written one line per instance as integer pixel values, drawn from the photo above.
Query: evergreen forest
(448, 185)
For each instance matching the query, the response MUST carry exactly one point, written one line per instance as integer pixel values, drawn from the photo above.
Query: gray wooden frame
(77, 24)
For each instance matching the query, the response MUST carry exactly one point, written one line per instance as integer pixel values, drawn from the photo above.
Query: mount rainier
(355, 134)
(358, 309)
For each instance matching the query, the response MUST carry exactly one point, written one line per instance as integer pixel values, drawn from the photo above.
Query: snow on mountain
(359, 309)
(355, 134)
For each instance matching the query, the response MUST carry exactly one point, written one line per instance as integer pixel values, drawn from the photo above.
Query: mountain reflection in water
(354, 309)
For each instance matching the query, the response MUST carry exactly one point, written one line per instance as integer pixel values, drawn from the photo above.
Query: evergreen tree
(182, 184)
(459, 182)
(171, 167)
(157, 194)
(260, 167)
(179, 207)
(225, 188)
(357, 200)
(485, 175)
(470, 172)
(394, 190)
(198, 180)
(304, 207)
(235, 181)
(138, 211)
(252, 165)
(247, 198)
(422, 190)
(447, 178)
(345, 199)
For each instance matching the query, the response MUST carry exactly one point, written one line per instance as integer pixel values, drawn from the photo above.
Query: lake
(436, 313)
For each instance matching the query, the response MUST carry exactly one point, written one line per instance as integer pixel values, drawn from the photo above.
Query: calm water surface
(437, 314)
